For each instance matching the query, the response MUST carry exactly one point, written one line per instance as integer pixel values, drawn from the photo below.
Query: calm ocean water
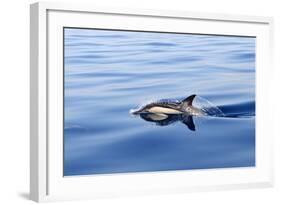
(107, 73)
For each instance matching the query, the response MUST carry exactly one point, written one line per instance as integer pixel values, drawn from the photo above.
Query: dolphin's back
(168, 106)
(167, 102)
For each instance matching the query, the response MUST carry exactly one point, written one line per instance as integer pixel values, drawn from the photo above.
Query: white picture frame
(46, 179)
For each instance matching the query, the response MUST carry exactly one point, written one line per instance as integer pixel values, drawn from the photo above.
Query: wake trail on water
(240, 110)
(207, 107)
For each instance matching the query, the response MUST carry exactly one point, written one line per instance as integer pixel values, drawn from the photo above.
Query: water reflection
(164, 119)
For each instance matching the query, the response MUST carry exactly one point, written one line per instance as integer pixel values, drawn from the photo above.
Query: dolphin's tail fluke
(187, 102)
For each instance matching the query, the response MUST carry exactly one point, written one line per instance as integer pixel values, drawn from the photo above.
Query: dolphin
(168, 107)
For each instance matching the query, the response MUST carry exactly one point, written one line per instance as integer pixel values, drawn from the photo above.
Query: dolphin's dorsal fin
(189, 100)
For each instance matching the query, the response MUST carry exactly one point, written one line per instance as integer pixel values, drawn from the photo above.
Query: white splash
(206, 106)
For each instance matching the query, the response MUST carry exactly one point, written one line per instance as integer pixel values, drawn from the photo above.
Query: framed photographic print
(127, 102)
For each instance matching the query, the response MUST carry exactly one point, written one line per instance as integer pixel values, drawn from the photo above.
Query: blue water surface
(107, 73)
